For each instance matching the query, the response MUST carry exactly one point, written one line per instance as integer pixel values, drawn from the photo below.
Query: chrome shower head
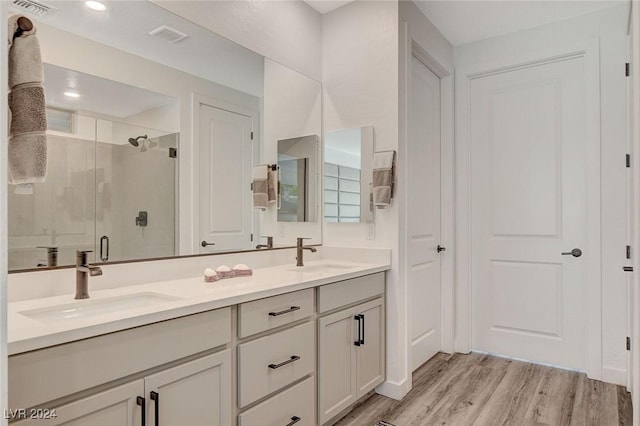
(134, 141)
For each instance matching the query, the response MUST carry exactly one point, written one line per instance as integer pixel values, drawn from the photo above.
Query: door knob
(440, 248)
(204, 243)
(576, 252)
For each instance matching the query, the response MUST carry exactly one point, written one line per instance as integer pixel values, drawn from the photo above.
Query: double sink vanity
(287, 345)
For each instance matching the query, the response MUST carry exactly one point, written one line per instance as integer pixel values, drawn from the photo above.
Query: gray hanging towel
(27, 150)
(383, 178)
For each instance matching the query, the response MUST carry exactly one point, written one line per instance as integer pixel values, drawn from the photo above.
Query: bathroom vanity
(285, 346)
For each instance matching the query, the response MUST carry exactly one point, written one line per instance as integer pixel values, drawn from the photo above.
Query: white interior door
(423, 210)
(225, 186)
(528, 133)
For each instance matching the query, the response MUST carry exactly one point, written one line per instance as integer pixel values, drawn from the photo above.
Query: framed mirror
(140, 77)
(348, 173)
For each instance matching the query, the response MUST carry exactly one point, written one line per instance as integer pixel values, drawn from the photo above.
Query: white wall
(610, 27)
(360, 86)
(69, 51)
(292, 108)
(287, 31)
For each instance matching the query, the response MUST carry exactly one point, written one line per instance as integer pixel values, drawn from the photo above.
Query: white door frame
(589, 50)
(197, 100)
(447, 224)
(635, 145)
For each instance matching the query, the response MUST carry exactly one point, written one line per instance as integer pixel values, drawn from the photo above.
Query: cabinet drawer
(47, 374)
(265, 314)
(343, 293)
(272, 362)
(284, 408)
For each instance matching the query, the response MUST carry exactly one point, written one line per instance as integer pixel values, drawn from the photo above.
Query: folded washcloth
(383, 176)
(242, 270)
(27, 147)
(260, 187)
(272, 185)
(210, 275)
(224, 271)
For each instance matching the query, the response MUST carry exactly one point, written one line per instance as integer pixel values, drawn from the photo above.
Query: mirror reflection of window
(343, 192)
(297, 163)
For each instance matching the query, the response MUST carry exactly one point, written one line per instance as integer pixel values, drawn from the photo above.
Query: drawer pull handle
(289, 361)
(156, 398)
(294, 420)
(143, 409)
(286, 311)
(362, 336)
(359, 339)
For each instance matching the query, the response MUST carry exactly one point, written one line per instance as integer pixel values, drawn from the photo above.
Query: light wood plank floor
(479, 390)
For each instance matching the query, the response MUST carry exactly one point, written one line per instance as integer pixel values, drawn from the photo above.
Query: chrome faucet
(83, 272)
(300, 248)
(269, 244)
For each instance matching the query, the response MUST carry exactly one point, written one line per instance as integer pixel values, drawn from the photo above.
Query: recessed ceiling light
(95, 5)
(71, 94)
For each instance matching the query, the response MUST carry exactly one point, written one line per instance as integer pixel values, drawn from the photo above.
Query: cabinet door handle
(362, 335)
(294, 420)
(286, 311)
(143, 410)
(155, 397)
(289, 361)
(359, 339)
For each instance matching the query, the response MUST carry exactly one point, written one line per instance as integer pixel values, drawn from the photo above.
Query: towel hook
(25, 23)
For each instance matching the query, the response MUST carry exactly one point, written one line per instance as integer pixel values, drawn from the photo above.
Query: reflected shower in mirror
(348, 160)
(105, 174)
(298, 164)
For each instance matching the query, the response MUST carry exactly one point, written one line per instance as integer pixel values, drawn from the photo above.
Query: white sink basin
(90, 308)
(323, 267)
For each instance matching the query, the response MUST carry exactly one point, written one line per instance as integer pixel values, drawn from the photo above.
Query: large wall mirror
(348, 174)
(155, 124)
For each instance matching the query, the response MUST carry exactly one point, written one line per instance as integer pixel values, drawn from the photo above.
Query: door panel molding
(588, 50)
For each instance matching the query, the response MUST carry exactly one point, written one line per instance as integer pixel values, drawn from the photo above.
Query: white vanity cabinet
(278, 363)
(194, 393)
(351, 343)
(120, 406)
(149, 360)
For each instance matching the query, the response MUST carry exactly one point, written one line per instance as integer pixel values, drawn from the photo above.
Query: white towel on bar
(383, 176)
(260, 187)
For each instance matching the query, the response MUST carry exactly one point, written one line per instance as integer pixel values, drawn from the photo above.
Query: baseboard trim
(617, 376)
(394, 390)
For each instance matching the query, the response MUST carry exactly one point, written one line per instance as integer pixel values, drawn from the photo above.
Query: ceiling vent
(168, 33)
(33, 7)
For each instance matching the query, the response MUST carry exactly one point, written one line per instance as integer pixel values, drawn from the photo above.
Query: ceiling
(97, 94)
(326, 6)
(125, 25)
(468, 21)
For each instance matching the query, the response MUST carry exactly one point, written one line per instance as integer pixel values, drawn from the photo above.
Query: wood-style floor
(476, 389)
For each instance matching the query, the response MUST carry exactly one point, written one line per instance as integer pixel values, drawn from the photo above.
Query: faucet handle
(81, 257)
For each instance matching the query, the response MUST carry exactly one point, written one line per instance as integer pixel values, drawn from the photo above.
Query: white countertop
(195, 295)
